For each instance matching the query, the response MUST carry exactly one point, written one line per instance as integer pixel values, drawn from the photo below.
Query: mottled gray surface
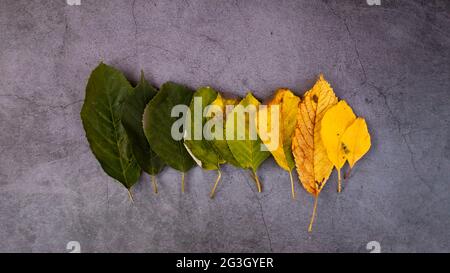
(390, 62)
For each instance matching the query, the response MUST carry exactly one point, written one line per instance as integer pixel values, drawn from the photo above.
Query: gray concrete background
(390, 62)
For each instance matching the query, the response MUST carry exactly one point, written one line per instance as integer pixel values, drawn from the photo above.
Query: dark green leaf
(106, 90)
(133, 110)
(158, 124)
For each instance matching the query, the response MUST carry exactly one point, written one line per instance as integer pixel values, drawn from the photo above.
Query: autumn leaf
(355, 141)
(245, 147)
(106, 90)
(220, 145)
(334, 123)
(199, 147)
(313, 166)
(196, 143)
(287, 104)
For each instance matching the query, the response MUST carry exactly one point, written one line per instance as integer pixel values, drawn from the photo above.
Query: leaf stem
(313, 214)
(347, 174)
(292, 185)
(213, 191)
(255, 177)
(130, 195)
(339, 180)
(182, 182)
(155, 186)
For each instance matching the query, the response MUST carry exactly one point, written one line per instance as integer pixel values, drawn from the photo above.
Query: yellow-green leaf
(287, 105)
(220, 145)
(200, 147)
(245, 145)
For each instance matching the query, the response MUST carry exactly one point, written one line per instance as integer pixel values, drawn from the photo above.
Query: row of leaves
(129, 130)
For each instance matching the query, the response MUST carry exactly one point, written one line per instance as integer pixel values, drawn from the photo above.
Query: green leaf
(246, 151)
(158, 125)
(198, 145)
(133, 110)
(106, 91)
(201, 149)
(221, 145)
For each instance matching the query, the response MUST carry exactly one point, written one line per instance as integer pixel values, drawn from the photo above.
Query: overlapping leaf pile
(130, 130)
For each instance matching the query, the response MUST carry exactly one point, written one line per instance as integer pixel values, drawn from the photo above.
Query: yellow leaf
(313, 166)
(356, 141)
(287, 104)
(334, 123)
(223, 102)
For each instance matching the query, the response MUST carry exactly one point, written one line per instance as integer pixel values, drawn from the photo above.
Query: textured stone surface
(390, 62)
